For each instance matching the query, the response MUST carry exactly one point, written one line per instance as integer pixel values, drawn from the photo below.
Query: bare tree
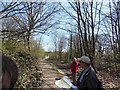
(87, 19)
(9, 9)
(55, 37)
(117, 28)
(112, 18)
(37, 18)
(61, 45)
(113, 30)
(71, 46)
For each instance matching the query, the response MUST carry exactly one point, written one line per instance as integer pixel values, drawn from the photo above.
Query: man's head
(75, 59)
(84, 61)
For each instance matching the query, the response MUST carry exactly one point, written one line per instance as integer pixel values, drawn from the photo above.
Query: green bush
(25, 61)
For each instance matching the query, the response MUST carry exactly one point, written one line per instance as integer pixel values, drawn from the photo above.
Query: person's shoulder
(92, 71)
(92, 74)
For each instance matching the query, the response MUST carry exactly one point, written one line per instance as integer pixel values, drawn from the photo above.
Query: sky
(53, 0)
(46, 40)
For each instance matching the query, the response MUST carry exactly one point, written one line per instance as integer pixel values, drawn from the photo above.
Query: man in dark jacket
(87, 79)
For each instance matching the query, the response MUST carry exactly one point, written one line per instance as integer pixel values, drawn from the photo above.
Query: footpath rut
(49, 75)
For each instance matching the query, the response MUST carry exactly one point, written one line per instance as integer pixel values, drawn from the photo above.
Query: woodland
(76, 28)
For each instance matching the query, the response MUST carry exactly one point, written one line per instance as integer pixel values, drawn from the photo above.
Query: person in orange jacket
(74, 70)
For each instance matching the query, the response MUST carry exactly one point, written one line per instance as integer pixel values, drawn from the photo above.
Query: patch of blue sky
(57, 0)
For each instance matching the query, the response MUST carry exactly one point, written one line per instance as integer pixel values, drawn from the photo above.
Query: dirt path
(49, 75)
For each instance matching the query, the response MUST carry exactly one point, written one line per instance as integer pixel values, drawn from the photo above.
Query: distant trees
(61, 45)
(54, 38)
(59, 42)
